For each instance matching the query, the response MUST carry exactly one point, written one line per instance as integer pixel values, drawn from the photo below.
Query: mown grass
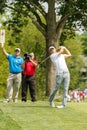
(40, 116)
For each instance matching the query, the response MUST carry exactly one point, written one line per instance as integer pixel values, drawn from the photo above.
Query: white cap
(51, 47)
(17, 49)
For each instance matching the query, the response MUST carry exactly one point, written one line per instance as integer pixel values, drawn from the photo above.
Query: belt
(15, 72)
(28, 75)
(62, 73)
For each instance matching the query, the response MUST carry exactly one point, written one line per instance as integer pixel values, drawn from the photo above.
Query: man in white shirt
(62, 73)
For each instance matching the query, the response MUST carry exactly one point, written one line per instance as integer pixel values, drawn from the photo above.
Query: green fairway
(40, 116)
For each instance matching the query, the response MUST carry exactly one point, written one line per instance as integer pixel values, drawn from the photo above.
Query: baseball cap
(51, 47)
(17, 49)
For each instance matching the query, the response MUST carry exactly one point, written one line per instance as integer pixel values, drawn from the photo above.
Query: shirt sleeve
(65, 55)
(9, 56)
(54, 56)
(36, 62)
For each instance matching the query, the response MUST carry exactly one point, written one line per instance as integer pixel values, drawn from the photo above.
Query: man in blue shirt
(14, 78)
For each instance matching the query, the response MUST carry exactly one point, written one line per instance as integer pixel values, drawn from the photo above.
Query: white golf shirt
(59, 62)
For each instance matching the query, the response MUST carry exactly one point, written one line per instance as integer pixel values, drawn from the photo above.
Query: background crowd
(77, 95)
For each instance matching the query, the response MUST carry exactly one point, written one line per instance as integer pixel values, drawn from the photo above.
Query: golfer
(14, 78)
(62, 73)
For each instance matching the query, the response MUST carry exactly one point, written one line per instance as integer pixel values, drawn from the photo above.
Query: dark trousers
(28, 82)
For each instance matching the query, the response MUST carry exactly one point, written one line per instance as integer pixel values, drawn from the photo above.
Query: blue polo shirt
(15, 63)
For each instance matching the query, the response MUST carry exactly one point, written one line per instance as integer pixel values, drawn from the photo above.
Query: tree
(75, 63)
(84, 40)
(61, 14)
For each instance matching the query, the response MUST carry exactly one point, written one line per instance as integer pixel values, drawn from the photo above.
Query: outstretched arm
(4, 51)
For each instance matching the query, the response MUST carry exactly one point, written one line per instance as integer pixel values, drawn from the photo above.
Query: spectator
(14, 78)
(28, 77)
(76, 97)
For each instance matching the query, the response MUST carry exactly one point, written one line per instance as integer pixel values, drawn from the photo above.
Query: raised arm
(62, 49)
(67, 52)
(34, 63)
(31, 58)
(4, 51)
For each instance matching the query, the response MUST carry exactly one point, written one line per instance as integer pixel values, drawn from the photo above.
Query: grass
(39, 116)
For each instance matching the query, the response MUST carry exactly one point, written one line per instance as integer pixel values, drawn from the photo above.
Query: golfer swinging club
(62, 73)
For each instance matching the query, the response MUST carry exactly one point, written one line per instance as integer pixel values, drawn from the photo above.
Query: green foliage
(31, 40)
(62, 14)
(2, 5)
(75, 10)
(66, 34)
(75, 63)
(84, 45)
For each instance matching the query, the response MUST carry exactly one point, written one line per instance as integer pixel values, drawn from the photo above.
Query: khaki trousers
(13, 85)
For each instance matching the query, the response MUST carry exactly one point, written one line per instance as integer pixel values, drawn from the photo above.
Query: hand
(29, 58)
(62, 47)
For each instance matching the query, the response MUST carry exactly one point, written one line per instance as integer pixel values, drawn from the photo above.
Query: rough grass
(40, 116)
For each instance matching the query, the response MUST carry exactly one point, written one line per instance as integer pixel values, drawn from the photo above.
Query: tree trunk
(53, 34)
(50, 40)
(50, 77)
(50, 69)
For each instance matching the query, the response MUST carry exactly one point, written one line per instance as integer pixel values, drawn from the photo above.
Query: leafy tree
(84, 45)
(76, 62)
(61, 14)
